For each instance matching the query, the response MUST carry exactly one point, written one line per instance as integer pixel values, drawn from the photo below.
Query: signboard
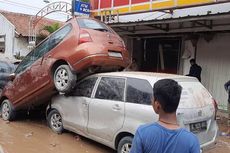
(132, 6)
(80, 8)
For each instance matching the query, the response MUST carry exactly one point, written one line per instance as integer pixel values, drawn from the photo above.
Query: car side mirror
(12, 77)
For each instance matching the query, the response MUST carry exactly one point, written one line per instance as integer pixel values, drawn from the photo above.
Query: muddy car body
(81, 46)
(109, 107)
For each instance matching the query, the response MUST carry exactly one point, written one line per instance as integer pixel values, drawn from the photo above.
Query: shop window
(2, 43)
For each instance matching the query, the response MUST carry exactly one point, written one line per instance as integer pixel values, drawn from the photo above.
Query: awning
(208, 18)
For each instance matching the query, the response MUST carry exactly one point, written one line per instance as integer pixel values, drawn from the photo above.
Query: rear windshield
(93, 24)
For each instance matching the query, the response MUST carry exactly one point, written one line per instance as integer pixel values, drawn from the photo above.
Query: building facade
(7, 34)
(164, 35)
(14, 32)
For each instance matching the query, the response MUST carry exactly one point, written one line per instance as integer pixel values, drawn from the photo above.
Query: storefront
(165, 40)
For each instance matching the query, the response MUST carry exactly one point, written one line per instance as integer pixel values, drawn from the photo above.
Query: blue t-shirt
(154, 138)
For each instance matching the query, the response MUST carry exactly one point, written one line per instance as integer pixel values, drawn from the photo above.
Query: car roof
(137, 74)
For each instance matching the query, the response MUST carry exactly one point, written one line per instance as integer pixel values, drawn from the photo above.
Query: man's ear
(156, 106)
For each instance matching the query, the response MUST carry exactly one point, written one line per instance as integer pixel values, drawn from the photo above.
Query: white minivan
(109, 107)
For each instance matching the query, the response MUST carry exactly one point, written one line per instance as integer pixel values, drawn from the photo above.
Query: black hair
(167, 92)
(193, 61)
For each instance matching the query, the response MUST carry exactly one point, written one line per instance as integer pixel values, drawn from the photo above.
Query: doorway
(161, 55)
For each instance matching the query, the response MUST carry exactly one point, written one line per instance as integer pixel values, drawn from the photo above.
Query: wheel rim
(56, 122)
(126, 148)
(62, 78)
(5, 111)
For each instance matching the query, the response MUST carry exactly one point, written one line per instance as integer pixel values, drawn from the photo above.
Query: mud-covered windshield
(92, 24)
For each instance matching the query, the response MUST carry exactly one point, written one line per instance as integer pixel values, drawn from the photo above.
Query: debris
(224, 134)
(77, 137)
(29, 134)
(53, 144)
(7, 122)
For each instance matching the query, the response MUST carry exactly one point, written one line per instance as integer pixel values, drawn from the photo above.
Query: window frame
(107, 76)
(22, 62)
(97, 21)
(142, 80)
(94, 86)
(53, 34)
(35, 49)
(4, 43)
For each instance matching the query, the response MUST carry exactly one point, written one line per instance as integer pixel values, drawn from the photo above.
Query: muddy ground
(31, 135)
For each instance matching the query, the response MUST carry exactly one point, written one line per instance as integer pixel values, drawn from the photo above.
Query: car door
(138, 108)
(48, 55)
(77, 104)
(37, 69)
(43, 56)
(19, 90)
(106, 110)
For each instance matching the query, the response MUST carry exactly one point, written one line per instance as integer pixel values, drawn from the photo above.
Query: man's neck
(168, 120)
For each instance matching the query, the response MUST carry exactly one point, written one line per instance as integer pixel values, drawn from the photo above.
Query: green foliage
(52, 28)
(18, 56)
(87, 1)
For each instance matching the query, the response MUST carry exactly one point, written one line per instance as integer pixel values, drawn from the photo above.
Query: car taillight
(215, 106)
(84, 37)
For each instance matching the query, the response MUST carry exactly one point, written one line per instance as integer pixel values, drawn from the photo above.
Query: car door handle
(116, 107)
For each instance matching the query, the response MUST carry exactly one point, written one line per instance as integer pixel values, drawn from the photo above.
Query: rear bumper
(101, 60)
(208, 144)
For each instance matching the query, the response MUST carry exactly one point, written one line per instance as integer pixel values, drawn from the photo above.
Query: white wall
(214, 58)
(21, 45)
(6, 28)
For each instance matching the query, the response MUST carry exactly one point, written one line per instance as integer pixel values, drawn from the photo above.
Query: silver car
(109, 107)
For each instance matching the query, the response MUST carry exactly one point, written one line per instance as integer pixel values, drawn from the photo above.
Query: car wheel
(55, 121)
(125, 144)
(7, 111)
(64, 79)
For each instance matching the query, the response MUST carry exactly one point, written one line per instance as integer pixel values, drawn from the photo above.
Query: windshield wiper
(101, 29)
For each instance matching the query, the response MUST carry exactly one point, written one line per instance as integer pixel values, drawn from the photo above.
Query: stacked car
(62, 74)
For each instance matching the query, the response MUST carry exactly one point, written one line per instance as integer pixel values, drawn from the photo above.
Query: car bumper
(101, 60)
(211, 143)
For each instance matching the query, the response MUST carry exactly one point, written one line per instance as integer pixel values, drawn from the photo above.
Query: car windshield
(92, 24)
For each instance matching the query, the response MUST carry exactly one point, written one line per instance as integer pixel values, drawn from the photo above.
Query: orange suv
(82, 46)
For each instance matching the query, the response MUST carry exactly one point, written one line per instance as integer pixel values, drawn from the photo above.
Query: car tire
(125, 144)
(55, 121)
(64, 79)
(7, 111)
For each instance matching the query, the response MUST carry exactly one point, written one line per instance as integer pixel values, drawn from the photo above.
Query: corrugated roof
(214, 9)
(22, 21)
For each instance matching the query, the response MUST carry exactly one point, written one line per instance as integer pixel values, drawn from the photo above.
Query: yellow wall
(156, 5)
(192, 2)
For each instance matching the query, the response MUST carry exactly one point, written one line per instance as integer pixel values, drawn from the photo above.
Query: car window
(26, 62)
(111, 89)
(57, 37)
(93, 24)
(85, 87)
(40, 50)
(139, 91)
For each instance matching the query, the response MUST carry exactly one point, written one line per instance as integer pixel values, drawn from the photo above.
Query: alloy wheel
(5, 111)
(56, 121)
(62, 78)
(126, 148)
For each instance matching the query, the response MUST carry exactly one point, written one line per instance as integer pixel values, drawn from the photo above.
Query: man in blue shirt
(165, 136)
